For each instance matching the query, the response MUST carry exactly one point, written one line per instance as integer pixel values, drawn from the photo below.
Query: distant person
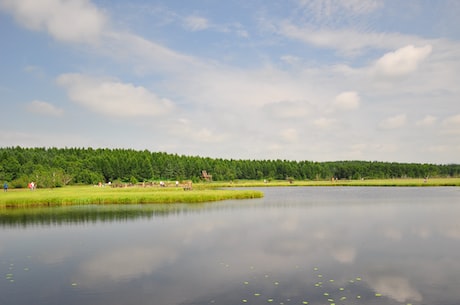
(5, 187)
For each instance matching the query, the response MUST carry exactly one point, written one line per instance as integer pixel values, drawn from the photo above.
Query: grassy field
(370, 182)
(74, 195)
(202, 192)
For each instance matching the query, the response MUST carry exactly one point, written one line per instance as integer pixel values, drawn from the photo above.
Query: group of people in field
(31, 186)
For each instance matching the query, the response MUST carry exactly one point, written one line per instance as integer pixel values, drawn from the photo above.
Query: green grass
(74, 195)
(366, 182)
(202, 192)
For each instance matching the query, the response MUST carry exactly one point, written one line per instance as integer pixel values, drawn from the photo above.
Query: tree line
(55, 167)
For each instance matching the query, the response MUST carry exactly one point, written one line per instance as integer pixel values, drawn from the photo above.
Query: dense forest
(55, 167)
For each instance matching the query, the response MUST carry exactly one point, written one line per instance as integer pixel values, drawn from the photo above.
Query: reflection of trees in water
(18, 217)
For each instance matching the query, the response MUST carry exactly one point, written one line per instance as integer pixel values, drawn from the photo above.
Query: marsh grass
(80, 195)
(370, 182)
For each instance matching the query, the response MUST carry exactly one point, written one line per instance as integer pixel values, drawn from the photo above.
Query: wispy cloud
(346, 41)
(286, 110)
(329, 8)
(451, 124)
(324, 122)
(35, 70)
(393, 122)
(428, 120)
(44, 108)
(196, 23)
(289, 135)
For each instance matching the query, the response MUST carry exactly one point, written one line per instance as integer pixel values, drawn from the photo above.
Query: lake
(297, 245)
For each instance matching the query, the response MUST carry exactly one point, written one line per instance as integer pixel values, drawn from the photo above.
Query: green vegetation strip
(79, 195)
(202, 192)
(365, 182)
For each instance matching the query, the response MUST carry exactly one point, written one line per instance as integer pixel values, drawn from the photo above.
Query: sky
(316, 80)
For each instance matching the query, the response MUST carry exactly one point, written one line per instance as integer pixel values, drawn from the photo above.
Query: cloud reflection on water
(402, 250)
(396, 287)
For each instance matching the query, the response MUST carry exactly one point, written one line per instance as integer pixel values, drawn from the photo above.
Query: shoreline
(85, 195)
(400, 182)
(201, 193)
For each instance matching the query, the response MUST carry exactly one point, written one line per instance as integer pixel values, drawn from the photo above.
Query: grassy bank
(370, 182)
(74, 195)
(202, 192)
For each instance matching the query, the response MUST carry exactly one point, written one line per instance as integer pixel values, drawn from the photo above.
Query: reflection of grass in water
(92, 213)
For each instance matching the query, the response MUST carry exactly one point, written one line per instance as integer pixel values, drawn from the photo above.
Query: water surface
(332, 245)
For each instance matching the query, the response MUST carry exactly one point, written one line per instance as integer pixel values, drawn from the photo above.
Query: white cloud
(113, 98)
(188, 130)
(286, 110)
(347, 100)
(393, 122)
(402, 61)
(428, 120)
(289, 135)
(196, 23)
(451, 125)
(452, 121)
(77, 21)
(325, 123)
(44, 108)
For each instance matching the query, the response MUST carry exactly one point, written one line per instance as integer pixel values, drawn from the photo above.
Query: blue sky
(292, 79)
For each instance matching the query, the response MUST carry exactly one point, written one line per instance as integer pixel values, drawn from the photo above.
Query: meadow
(79, 195)
(409, 182)
(202, 192)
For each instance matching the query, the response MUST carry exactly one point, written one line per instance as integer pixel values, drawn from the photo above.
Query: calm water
(317, 245)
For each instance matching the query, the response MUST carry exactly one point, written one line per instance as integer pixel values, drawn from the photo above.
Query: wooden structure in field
(205, 176)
